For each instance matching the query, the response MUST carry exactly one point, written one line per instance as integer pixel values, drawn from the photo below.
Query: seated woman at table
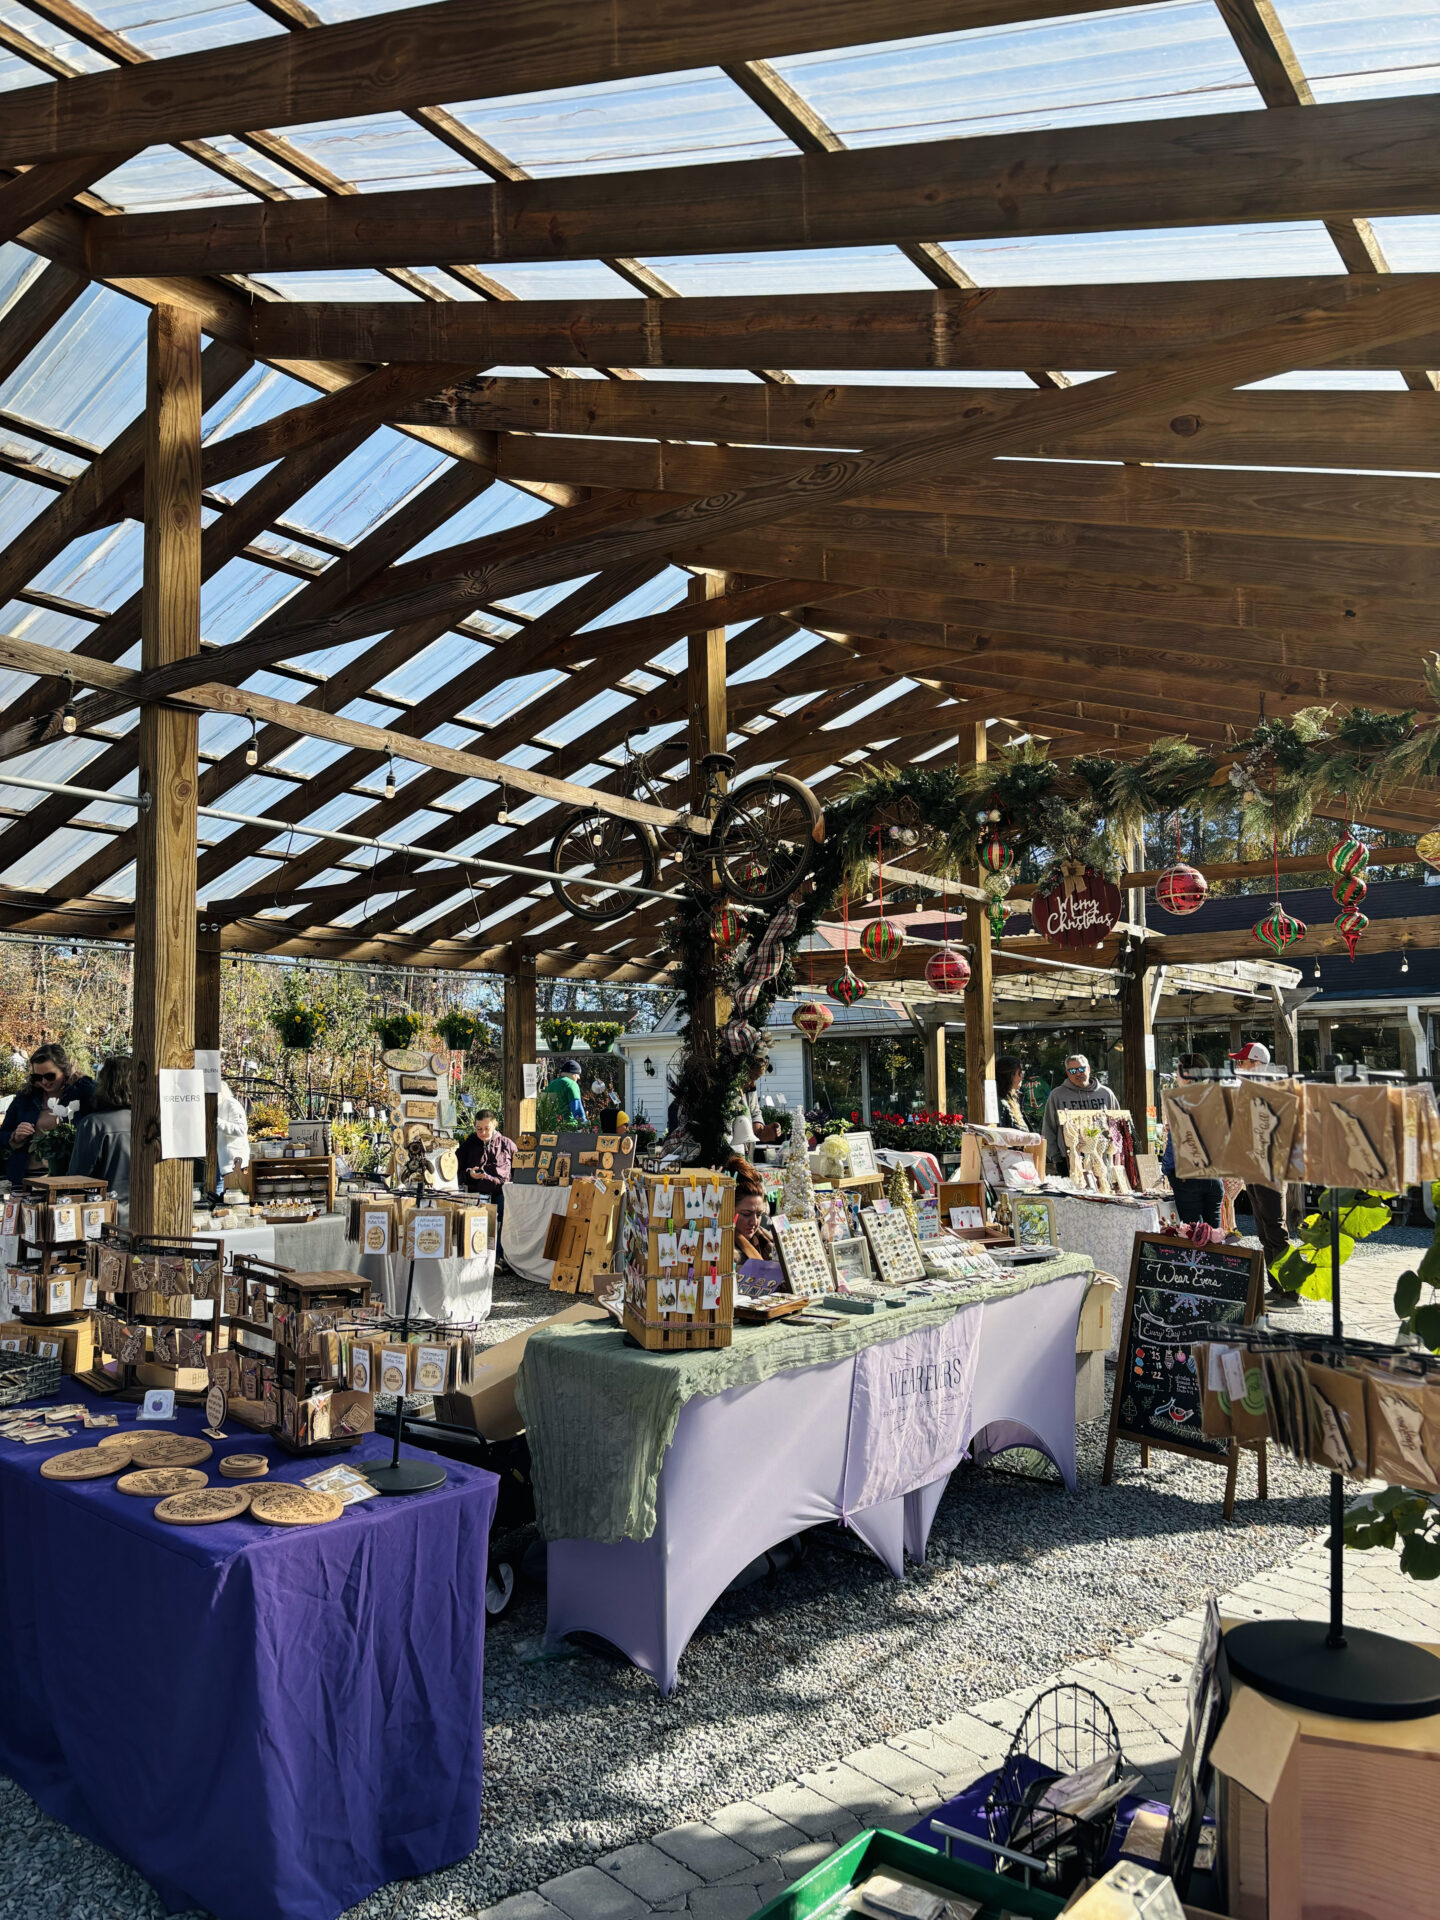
(1009, 1074)
(753, 1238)
(102, 1138)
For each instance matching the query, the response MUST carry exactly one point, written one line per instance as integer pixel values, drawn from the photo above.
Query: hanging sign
(182, 1113)
(1079, 910)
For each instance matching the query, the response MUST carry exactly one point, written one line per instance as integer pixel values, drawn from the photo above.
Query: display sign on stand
(1176, 1290)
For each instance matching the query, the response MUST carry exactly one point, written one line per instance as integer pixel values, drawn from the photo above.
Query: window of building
(837, 1077)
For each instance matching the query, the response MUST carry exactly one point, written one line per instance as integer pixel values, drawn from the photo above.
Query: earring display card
(892, 1246)
(802, 1255)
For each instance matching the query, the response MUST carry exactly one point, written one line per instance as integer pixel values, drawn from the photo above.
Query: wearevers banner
(910, 1409)
(182, 1113)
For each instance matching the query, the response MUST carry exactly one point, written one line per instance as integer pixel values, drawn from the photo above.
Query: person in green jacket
(566, 1088)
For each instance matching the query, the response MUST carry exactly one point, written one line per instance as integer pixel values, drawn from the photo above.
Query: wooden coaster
(244, 1466)
(154, 1482)
(117, 1440)
(169, 1450)
(430, 1376)
(284, 1505)
(84, 1463)
(203, 1506)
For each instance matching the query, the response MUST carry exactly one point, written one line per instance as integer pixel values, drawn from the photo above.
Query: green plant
(54, 1146)
(269, 1120)
(396, 1029)
(1307, 1269)
(355, 1146)
(458, 1029)
(600, 1035)
(299, 1013)
(561, 1031)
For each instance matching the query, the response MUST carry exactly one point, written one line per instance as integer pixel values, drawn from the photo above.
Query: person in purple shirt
(484, 1161)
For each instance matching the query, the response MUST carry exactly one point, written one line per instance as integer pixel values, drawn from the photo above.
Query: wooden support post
(518, 1042)
(207, 1034)
(1287, 1054)
(708, 733)
(935, 1096)
(160, 1190)
(982, 1103)
(1138, 1038)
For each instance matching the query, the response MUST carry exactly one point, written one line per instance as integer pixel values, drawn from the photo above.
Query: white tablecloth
(444, 1289)
(528, 1212)
(734, 1481)
(1106, 1230)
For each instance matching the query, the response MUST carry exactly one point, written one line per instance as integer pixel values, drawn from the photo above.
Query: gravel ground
(582, 1754)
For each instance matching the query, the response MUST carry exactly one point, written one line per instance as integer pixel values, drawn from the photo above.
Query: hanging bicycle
(762, 838)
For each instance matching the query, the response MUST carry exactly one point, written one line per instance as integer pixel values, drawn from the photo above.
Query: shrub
(396, 1029)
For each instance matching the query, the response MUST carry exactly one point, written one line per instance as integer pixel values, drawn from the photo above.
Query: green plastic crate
(824, 1887)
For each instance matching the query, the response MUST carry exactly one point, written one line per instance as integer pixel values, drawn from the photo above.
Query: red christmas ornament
(948, 971)
(727, 929)
(1279, 929)
(1181, 889)
(848, 988)
(1350, 925)
(1349, 890)
(995, 856)
(882, 940)
(812, 1017)
(1348, 856)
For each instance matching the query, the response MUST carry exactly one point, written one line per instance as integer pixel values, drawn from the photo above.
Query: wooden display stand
(1322, 1817)
(581, 1241)
(309, 1178)
(41, 1197)
(297, 1334)
(657, 1204)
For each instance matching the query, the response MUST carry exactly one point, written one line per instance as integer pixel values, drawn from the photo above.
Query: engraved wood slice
(158, 1481)
(285, 1505)
(84, 1463)
(203, 1506)
(117, 1440)
(408, 1060)
(244, 1466)
(169, 1450)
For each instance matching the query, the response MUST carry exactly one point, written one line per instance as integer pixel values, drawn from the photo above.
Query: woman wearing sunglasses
(51, 1078)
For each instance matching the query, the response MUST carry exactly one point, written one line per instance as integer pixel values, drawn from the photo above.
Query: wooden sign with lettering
(1079, 910)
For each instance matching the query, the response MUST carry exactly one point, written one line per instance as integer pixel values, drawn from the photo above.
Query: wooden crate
(656, 1204)
(305, 1177)
(581, 1241)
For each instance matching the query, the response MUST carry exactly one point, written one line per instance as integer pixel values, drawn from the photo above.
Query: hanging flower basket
(458, 1029)
(300, 1025)
(396, 1029)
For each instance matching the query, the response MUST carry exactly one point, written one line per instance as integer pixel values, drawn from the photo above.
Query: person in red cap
(1267, 1204)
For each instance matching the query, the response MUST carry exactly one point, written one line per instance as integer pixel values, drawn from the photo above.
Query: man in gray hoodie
(1076, 1090)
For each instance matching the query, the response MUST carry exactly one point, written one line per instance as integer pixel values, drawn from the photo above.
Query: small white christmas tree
(797, 1201)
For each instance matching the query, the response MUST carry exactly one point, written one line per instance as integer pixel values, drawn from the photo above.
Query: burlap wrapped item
(1343, 1391)
(1403, 1417)
(1352, 1138)
(1263, 1117)
(1198, 1118)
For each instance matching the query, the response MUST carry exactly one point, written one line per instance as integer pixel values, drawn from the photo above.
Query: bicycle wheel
(764, 837)
(597, 846)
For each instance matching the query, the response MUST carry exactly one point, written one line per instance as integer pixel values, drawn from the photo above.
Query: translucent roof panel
(674, 119)
(1147, 253)
(818, 270)
(382, 152)
(1353, 52)
(162, 28)
(1140, 64)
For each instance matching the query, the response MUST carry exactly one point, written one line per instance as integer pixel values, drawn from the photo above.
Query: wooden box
(581, 1241)
(307, 1179)
(1321, 1817)
(656, 1206)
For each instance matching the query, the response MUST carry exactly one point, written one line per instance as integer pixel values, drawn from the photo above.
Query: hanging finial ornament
(1279, 929)
(848, 988)
(1349, 860)
(812, 1017)
(1350, 925)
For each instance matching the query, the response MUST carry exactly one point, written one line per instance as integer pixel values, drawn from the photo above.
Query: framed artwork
(851, 1259)
(862, 1155)
(802, 1255)
(419, 1083)
(1033, 1219)
(892, 1247)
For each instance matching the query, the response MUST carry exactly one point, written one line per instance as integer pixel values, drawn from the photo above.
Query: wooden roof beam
(1349, 157)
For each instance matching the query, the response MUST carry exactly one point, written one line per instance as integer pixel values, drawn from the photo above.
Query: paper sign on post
(530, 1078)
(207, 1061)
(182, 1113)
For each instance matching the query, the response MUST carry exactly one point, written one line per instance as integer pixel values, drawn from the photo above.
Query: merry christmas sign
(1079, 908)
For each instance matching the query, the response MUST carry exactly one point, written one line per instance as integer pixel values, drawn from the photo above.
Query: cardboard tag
(158, 1404)
(1232, 1370)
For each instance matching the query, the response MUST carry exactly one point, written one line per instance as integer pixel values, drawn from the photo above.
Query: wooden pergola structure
(1058, 509)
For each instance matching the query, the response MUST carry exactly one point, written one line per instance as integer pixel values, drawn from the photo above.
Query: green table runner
(600, 1412)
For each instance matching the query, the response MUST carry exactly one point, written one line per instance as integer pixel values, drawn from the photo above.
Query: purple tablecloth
(267, 1722)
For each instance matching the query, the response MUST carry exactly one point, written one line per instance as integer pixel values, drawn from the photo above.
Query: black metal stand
(1355, 1676)
(412, 1475)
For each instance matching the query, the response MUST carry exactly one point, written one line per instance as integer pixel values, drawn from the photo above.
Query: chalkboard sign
(1176, 1289)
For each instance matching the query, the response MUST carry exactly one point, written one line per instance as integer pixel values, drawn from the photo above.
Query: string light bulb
(252, 748)
(69, 719)
(502, 818)
(1317, 969)
(390, 779)
(1404, 961)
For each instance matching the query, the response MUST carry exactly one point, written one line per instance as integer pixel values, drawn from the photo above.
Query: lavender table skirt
(751, 1466)
(266, 1722)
